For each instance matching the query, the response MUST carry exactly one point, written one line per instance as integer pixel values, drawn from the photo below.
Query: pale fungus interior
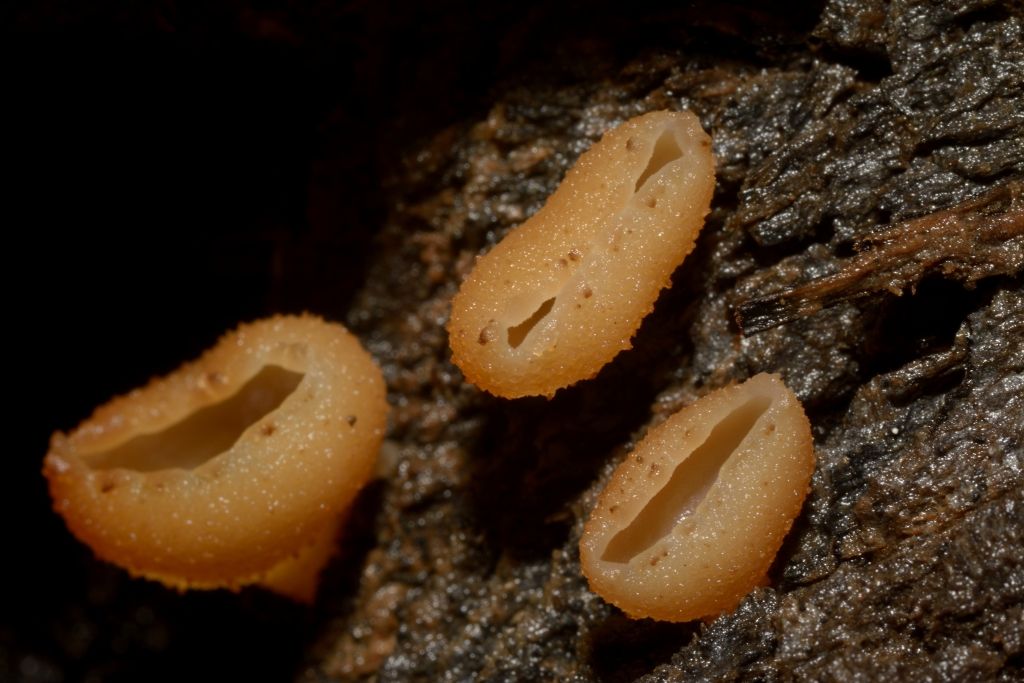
(666, 150)
(207, 432)
(688, 485)
(517, 334)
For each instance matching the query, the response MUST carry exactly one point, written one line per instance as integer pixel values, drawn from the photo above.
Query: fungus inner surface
(205, 433)
(517, 333)
(689, 484)
(666, 150)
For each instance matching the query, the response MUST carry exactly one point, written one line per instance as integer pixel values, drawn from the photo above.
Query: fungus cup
(690, 522)
(563, 293)
(233, 469)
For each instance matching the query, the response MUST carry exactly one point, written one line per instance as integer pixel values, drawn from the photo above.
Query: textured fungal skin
(139, 484)
(564, 293)
(298, 576)
(692, 519)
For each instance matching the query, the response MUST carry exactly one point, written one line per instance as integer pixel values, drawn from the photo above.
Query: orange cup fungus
(690, 522)
(235, 468)
(563, 293)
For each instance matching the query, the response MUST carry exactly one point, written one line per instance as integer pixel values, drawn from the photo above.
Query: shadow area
(621, 649)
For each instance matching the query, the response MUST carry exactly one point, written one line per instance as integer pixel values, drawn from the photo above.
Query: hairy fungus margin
(565, 292)
(690, 522)
(233, 469)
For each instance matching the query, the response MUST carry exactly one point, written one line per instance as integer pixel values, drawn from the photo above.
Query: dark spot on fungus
(351, 419)
(487, 334)
(268, 429)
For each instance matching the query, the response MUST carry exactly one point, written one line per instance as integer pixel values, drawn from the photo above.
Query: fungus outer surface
(692, 519)
(233, 469)
(565, 292)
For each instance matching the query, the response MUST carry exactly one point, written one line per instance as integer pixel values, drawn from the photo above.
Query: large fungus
(690, 522)
(235, 468)
(563, 293)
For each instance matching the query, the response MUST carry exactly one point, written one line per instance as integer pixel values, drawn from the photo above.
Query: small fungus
(235, 468)
(565, 292)
(690, 522)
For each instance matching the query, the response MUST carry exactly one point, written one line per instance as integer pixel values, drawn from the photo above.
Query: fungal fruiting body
(690, 522)
(233, 469)
(563, 293)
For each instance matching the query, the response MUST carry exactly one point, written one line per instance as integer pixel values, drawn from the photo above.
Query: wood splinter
(979, 238)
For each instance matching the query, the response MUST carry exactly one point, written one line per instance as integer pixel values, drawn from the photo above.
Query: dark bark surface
(833, 134)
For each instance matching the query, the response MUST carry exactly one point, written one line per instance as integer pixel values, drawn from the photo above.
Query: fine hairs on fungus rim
(565, 292)
(234, 469)
(691, 520)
